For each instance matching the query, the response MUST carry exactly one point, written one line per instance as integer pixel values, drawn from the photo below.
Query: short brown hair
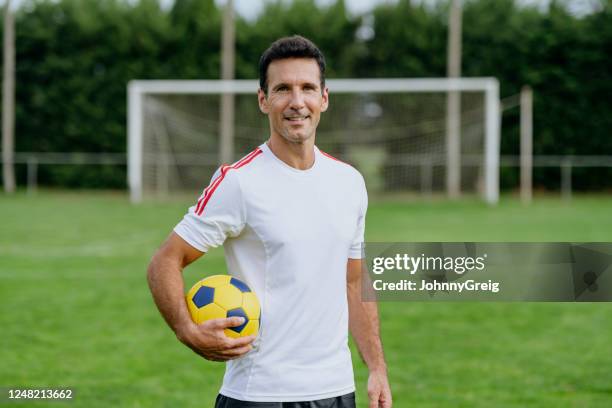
(295, 46)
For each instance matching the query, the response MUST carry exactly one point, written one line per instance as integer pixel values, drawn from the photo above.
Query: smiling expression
(295, 100)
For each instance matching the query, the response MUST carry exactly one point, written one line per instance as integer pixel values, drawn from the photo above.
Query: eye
(282, 88)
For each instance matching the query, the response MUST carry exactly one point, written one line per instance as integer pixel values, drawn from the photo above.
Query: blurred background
(95, 105)
(74, 60)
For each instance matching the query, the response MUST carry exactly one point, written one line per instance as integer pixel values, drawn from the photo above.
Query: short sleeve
(357, 247)
(218, 214)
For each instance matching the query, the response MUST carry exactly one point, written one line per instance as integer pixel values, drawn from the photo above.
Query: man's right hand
(209, 340)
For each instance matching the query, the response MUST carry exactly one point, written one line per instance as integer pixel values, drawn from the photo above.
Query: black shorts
(343, 401)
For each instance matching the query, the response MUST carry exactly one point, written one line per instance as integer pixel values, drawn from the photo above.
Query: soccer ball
(221, 296)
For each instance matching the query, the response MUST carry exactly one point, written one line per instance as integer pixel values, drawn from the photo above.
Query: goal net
(394, 131)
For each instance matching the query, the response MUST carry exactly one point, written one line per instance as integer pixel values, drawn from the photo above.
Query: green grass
(75, 310)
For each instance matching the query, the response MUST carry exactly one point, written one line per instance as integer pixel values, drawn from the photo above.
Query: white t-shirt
(288, 234)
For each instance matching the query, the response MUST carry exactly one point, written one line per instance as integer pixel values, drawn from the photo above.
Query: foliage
(75, 58)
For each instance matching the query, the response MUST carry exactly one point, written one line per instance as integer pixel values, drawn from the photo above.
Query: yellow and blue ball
(221, 296)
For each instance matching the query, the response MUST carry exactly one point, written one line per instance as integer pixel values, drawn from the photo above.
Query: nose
(297, 99)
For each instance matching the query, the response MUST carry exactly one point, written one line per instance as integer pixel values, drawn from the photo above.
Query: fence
(565, 163)
(33, 159)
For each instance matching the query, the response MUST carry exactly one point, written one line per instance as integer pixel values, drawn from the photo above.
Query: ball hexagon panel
(193, 309)
(250, 329)
(240, 285)
(210, 311)
(238, 313)
(216, 281)
(228, 297)
(250, 304)
(193, 291)
(203, 296)
(231, 333)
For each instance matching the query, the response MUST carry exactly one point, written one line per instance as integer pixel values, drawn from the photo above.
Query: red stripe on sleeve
(209, 191)
(212, 183)
(332, 157)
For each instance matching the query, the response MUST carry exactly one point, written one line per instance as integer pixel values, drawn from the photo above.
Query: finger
(211, 356)
(386, 398)
(227, 322)
(229, 343)
(240, 341)
(230, 354)
(205, 356)
(208, 354)
(373, 398)
(237, 352)
(214, 324)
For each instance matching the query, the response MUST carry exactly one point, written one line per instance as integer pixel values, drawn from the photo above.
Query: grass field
(76, 311)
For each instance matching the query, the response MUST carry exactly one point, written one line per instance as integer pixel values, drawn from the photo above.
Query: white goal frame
(137, 89)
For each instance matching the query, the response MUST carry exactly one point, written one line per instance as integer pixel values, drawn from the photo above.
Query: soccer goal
(392, 130)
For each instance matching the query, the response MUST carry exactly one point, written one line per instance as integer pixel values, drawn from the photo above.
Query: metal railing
(33, 159)
(565, 163)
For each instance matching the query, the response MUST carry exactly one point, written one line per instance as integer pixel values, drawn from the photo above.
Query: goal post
(173, 129)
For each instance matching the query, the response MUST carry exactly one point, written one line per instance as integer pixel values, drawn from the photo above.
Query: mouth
(296, 119)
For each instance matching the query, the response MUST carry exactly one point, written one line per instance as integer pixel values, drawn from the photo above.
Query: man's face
(294, 102)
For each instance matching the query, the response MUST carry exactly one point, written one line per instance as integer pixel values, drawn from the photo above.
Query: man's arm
(364, 326)
(165, 279)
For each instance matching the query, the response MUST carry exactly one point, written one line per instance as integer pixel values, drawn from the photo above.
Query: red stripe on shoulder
(247, 156)
(333, 158)
(209, 191)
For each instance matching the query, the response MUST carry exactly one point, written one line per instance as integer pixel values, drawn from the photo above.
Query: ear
(325, 102)
(263, 101)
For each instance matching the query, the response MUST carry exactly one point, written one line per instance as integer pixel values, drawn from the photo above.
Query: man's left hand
(379, 392)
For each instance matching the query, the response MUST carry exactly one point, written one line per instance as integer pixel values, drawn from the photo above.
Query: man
(291, 219)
